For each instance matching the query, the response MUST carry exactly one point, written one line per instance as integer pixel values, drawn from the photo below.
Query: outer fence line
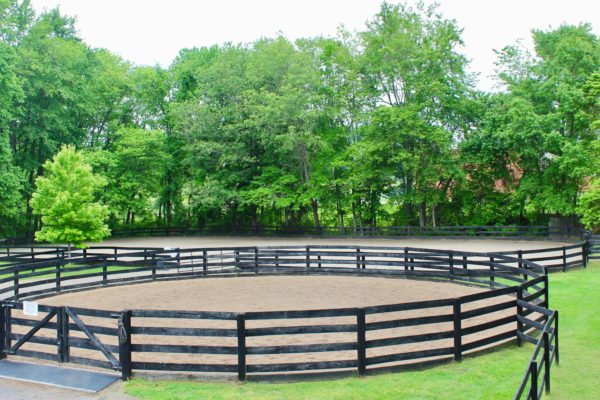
(410, 262)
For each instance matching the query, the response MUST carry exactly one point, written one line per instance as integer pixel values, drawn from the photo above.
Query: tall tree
(64, 198)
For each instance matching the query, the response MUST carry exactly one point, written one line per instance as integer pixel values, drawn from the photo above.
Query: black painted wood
(125, 346)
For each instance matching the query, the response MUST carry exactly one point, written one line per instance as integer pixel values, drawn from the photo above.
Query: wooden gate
(56, 331)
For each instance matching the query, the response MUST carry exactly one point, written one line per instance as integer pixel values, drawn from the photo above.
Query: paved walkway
(15, 390)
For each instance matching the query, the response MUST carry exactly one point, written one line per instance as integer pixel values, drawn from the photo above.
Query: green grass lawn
(494, 375)
(65, 272)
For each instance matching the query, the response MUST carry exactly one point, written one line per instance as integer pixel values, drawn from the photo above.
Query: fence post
(16, 284)
(104, 271)
(564, 259)
(85, 255)
(406, 259)
(451, 264)
(241, 351)
(2, 331)
(533, 389)
(125, 344)
(519, 314)
(307, 259)
(546, 291)
(58, 280)
(556, 353)
(256, 260)
(492, 277)
(457, 330)
(237, 258)
(361, 341)
(153, 266)
(62, 334)
(546, 362)
(520, 264)
(465, 262)
(357, 257)
(584, 251)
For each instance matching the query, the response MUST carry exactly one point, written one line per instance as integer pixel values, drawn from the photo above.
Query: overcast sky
(152, 32)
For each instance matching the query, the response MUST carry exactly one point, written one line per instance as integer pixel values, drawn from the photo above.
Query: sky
(150, 32)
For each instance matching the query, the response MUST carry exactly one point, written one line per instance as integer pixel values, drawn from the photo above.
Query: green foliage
(64, 198)
(378, 127)
(589, 206)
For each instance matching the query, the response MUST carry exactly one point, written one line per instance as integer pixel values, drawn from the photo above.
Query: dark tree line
(382, 127)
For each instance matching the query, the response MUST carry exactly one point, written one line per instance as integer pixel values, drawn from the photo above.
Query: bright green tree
(64, 198)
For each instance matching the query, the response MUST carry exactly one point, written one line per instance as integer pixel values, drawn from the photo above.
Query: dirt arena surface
(265, 293)
(463, 244)
(262, 293)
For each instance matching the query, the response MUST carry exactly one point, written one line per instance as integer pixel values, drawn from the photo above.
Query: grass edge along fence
(520, 278)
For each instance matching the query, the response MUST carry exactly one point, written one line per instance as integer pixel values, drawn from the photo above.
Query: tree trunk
(422, 214)
(315, 210)
(433, 221)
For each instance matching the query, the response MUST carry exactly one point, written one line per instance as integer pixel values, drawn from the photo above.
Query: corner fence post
(241, 351)
(457, 330)
(533, 389)
(361, 341)
(546, 362)
(564, 259)
(62, 334)
(584, 251)
(125, 344)
(2, 331)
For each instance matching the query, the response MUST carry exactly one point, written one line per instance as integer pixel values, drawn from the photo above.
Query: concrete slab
(66, 378)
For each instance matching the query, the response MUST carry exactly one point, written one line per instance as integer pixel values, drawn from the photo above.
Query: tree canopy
(64, 197)
(378, 127)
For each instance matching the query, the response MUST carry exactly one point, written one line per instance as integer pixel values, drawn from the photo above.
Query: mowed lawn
(490, 376)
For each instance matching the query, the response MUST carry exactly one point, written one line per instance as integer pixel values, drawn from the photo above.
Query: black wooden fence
(102, 338)
(360, 231)
(594, 247)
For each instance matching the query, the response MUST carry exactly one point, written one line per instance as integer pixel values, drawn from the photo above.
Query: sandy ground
(263, 293)
(275, 293)
(466, 244)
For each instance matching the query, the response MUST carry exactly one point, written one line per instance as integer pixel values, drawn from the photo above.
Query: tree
(10, 176)
(64, 198)
(548, 119)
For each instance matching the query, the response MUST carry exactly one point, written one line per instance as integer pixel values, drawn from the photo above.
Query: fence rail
(362, 231)
(360, 339)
